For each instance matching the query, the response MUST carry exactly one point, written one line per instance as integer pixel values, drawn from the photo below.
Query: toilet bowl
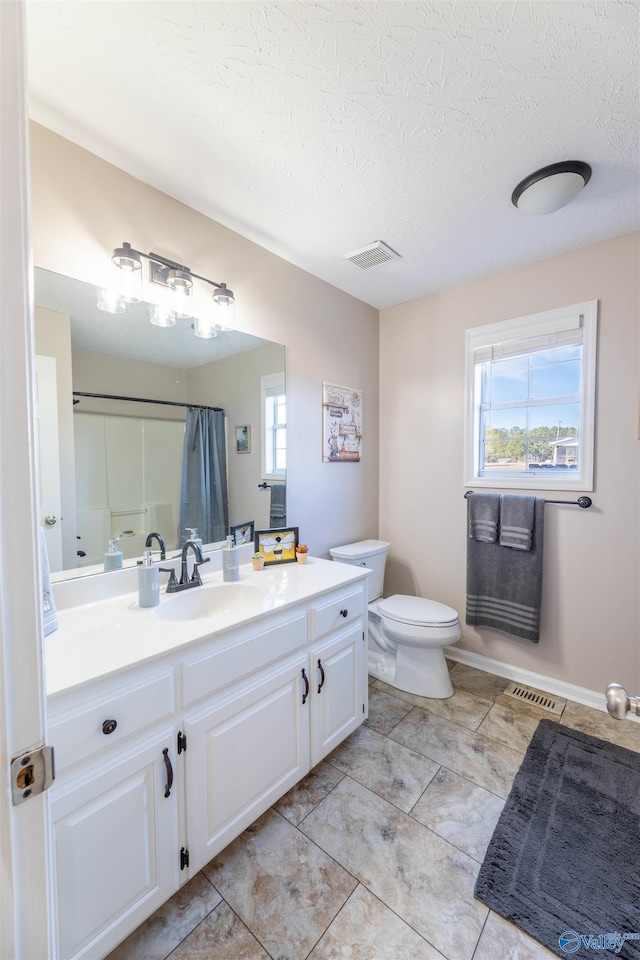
(407, 635)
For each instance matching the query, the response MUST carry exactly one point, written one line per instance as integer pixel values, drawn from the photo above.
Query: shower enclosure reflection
(118, 463)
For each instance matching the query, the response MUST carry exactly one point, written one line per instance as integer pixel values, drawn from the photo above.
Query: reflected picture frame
(242, 532)
(277, 545)
(243, 438)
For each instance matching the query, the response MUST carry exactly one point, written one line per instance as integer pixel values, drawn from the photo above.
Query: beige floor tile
(475, 681)
(597, 723)
(385, 711)
(421, 877)
(281, 885)
(502, 941)
(464, 708)
(168, 926)
(365, 929)
(389, 769)
(511, 727)
(221, 936)
(489, 764)
(460, 812)
(307, 794)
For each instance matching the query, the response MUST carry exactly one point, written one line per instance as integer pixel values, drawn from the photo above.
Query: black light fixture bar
(160, 266)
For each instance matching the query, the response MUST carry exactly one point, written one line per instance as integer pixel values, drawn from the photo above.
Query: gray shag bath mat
(563, 863)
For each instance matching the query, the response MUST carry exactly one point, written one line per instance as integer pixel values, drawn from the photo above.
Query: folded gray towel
(504, 587)
(516, 521)
(482, 515)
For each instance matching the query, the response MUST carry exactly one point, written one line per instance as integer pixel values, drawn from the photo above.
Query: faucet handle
(196, 578)
(172, 583)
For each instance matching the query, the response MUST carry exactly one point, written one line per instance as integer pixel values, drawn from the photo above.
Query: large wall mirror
(113, 468)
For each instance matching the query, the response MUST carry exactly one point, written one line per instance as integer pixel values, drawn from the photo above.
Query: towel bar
(583, 502)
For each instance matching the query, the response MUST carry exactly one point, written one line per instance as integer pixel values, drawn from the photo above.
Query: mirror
(112, 468)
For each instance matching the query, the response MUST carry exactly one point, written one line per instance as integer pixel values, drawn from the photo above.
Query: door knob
(50, 519)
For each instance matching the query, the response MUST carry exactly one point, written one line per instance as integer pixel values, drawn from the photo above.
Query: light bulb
(110, 301)
(162, 315)
(204, 328)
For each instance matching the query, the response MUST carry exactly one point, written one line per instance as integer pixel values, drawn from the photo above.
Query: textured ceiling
(314, 128)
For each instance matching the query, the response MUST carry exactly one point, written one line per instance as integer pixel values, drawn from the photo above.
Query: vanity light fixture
(176, 300)
(552, 187)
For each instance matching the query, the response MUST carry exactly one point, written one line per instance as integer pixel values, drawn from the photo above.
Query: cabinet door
(116, 848)
(243, 754)
(339, 691)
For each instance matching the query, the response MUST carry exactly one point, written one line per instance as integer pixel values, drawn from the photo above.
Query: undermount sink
(211, 600)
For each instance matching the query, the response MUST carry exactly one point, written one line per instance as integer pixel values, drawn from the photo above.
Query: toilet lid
(417, 610)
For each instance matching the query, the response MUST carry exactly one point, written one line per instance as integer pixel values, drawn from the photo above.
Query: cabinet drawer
(336, 612)
(78, 733)
(236, 658)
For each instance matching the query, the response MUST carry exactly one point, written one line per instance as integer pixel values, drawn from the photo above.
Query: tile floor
(374, 855)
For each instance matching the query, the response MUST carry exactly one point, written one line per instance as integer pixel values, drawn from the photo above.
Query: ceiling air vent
(372, 255)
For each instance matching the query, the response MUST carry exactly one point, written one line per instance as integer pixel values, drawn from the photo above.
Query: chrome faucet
(160, 539)
(185, 582)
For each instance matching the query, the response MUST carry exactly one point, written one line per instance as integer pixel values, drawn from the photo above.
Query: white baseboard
(560, 688)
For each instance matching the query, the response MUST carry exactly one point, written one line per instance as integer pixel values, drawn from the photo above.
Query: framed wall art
(341, 424)
(277, 545)
(242, 532)
(243, 439)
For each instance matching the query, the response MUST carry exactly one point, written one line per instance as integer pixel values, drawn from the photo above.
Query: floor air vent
(542, 700)
(372, 255)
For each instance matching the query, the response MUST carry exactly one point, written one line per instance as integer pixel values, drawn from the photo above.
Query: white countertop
(101, 638)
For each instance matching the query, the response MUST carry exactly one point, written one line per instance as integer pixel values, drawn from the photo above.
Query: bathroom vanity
(175, 727)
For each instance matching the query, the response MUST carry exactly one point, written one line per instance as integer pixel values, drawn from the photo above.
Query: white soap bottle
(113, 557)
(193, 535)
(230, 561)
(148, 582)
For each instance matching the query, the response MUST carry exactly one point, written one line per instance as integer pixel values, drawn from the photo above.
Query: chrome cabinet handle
(50, 519)
(169, 770)
(306, 686)
(321, 669)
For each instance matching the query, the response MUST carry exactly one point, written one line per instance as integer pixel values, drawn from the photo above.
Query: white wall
(590, 616)
(84, 207)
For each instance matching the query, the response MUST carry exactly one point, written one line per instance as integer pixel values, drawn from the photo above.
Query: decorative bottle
(113, 557)
(148, 582)
(230, 561)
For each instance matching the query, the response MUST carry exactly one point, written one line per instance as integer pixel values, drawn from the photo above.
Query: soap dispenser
(148, 582)
(230, 561)
(113, 557)
(193, 535)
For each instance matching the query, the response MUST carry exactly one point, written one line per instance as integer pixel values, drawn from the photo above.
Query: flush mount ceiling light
(551, 187)
(175, 300)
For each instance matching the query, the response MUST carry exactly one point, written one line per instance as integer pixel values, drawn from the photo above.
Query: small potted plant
(302, 552)
(258, 561)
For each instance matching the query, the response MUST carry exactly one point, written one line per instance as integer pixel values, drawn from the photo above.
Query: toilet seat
(417, 611)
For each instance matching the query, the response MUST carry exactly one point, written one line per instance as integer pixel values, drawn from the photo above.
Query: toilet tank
(366, 553)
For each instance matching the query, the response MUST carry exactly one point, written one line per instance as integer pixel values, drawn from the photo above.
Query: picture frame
(243, 438)
(341, 424)
(242, 532)
(277, 545)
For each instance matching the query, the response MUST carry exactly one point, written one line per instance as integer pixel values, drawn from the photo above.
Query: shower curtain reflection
(204, 503)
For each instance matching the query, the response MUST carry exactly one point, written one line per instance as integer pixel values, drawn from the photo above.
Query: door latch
(31, 773)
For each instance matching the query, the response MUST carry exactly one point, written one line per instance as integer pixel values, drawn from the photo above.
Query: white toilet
(407, 635)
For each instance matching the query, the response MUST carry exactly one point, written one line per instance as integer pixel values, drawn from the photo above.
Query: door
(49, 502)
(228, 784)
(338, 701)
(115, 837)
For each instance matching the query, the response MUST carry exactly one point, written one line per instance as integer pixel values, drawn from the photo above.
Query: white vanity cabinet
(162, 764)
(114, 811)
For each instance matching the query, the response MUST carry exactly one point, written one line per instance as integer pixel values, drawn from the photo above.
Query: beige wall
(84, 207)
(103, 373)
(590, 617)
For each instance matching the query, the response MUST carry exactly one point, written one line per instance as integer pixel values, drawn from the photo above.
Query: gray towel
(504, 587)
(483, 516)
(49, 615)
(516, 521)
(278, 513)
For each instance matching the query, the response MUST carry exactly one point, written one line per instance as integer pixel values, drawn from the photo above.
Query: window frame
(267, 384)
(521, 328)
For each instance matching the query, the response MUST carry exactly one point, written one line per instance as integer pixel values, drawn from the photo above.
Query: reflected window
(274, 422)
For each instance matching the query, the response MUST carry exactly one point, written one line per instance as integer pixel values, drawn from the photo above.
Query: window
(530, 399)
(274, 427)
